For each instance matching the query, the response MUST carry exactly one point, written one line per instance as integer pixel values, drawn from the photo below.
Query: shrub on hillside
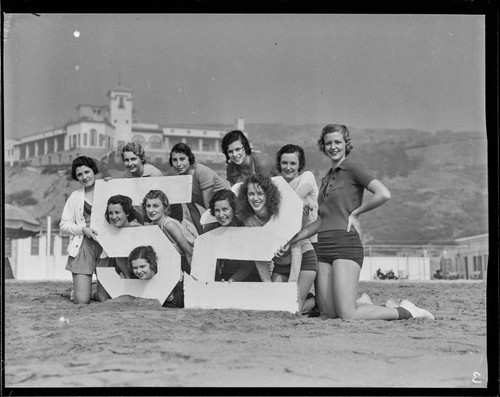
(21, 198)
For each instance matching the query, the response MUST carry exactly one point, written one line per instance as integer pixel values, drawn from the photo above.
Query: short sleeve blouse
(341, 192)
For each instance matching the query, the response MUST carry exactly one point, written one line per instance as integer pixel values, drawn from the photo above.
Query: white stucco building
(101, 131)
(10, 151)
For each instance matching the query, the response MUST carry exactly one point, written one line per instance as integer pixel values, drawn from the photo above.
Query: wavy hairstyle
(220, 195)
(83, 161)
(135, 148)
(156, 194)
(183, 148)
(125, 202)
(233, 136)
(147, 253)
(273, 196)
(291, 149)
(328, 129)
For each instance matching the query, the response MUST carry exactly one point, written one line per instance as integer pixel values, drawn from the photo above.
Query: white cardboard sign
(168, 267)
(120, 242)
(248, 243)
(242, 296)
(245, 243)
(177, 188)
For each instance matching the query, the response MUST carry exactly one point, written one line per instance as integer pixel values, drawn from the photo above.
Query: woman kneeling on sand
(84, 250)
(340, 252)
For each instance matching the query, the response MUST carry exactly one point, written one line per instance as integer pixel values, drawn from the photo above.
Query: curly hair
(156, 194)
(125, 202)
(83, 161)
(183, 148)
(291, 149)
(273, 196)
(328, 129)
(233, 136)
(220, 195)
(147, 253)
(135, 148)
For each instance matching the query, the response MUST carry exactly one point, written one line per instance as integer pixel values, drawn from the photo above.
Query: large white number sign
(120, 242)
(245, 243)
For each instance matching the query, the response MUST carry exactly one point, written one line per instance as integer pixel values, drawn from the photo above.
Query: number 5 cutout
(120, 242)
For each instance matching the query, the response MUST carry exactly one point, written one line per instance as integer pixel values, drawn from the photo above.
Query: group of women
(324, 258)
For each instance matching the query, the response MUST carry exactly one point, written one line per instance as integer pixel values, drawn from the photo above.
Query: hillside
(438, 181)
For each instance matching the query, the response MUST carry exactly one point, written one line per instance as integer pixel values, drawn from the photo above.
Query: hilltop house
(101, 132)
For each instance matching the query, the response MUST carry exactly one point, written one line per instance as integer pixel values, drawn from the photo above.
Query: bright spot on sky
(76, 33)
(77, 67)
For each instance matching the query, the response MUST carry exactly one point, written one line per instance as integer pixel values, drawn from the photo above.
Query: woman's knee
(81, 298)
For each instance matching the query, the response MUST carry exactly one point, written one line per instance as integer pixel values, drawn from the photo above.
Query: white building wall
(11, 152)
(39, 267)
(409, 267)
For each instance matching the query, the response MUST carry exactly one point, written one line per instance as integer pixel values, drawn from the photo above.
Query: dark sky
(367, 71)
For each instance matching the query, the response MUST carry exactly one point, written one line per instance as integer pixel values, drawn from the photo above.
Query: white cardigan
(73, 221)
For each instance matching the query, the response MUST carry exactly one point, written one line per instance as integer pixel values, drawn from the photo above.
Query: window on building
(35, 246)
(52, 238)
(64, 244)
(477, 263)
(60, 142)
(486, 262)
(85, 139)
(155, 142)
(101, 140)
(208, 145)
(49, 159)
(79, 141)
(121, 103)
(50, 145)
(139, 139)
(193, 144)
(8, 247)
(74, 141)
(93, 137)
(59, 158)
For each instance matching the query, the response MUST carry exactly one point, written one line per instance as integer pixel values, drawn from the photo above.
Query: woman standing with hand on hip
(340, 251)
(84, 250)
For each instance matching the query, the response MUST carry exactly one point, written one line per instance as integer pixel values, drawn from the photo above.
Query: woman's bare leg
(280, 278)
(305, 282)
(82, 285)
(345, 281)
(324, 290)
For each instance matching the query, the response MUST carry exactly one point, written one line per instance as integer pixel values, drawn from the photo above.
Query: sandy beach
(134, 342)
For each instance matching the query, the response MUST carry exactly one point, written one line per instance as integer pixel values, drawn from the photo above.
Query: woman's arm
(380, 195)
(68, 224)
(264, 269)
(175, 231)
(207, 195)
(296, 262)
(306, 232)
